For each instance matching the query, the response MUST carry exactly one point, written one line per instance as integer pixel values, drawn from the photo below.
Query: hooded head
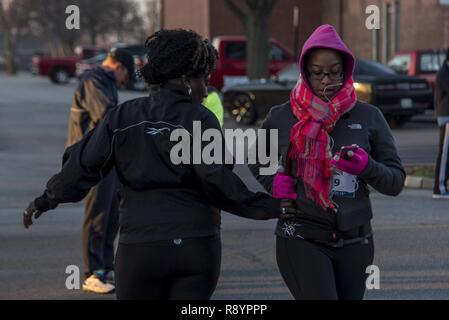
(324, 53)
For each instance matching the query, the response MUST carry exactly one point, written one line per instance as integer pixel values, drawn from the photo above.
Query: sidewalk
(415, 182)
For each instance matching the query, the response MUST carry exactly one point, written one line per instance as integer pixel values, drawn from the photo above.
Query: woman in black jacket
(323, 253)
(169, 245)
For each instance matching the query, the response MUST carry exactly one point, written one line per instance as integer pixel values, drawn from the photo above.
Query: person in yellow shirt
(213, 103)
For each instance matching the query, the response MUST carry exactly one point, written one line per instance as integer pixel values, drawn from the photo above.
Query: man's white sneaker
(95, 285)
(441, 195)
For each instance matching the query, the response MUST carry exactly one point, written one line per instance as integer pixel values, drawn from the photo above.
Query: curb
(414, 182)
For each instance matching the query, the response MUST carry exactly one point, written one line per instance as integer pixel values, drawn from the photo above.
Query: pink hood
(326, 36)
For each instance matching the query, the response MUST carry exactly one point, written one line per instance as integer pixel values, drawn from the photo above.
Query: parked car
(138, 53)
(399, 97)
(421, 63)
(61, 69)
(231, 65)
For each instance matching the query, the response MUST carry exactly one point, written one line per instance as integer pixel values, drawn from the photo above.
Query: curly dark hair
(175, 53)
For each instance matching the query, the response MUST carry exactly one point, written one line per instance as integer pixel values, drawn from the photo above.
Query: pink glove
(284, 187)
(355, 166)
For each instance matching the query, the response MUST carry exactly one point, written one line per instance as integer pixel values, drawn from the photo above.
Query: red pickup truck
(231, 66)
(421, 63)
(61, 69)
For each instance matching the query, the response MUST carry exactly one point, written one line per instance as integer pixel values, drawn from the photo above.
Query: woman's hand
(355, 166)
(288, 209)
(284, 187)
(36, 208)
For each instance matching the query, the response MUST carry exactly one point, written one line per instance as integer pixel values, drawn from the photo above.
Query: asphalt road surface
(411, 231)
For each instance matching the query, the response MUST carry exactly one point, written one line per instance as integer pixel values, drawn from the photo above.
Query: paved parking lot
(411, 231)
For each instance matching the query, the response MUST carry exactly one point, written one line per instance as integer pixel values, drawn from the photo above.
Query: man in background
(440, 190)
(95, 95)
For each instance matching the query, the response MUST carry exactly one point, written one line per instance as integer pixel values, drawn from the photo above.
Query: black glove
(37, 207)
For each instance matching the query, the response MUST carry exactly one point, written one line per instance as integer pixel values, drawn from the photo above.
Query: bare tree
(126, 20)
(154, 8)
(255, 20)
(9, 39)
(49, 18)
(120, 19)
(95, 18)
(13, 21)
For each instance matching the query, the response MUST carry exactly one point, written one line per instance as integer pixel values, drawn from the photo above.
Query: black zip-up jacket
(364, 125)
(159, 200)
(442, 92)
(96, 94)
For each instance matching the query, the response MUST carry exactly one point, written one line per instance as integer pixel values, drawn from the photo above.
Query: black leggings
(314, 271)
(175, 270)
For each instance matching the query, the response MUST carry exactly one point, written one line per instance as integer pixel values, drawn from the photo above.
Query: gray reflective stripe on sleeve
(177, 126)
(444, 159)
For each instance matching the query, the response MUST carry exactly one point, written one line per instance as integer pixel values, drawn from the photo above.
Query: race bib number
(344, 185)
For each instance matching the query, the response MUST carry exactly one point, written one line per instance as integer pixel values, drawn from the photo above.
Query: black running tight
(314, 271)
(179, 269)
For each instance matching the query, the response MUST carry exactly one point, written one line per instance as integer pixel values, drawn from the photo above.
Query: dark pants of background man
(442, 165)
(101, 225)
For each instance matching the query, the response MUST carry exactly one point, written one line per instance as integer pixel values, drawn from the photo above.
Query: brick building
(212, 18)
(404, 24)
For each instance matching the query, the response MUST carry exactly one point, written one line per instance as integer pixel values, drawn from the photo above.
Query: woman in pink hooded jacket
(323, 252)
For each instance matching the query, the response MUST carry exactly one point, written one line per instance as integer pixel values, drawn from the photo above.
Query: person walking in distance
(95, 95)
(440, 190)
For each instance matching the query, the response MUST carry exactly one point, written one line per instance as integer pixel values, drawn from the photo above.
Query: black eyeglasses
(333, 76)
